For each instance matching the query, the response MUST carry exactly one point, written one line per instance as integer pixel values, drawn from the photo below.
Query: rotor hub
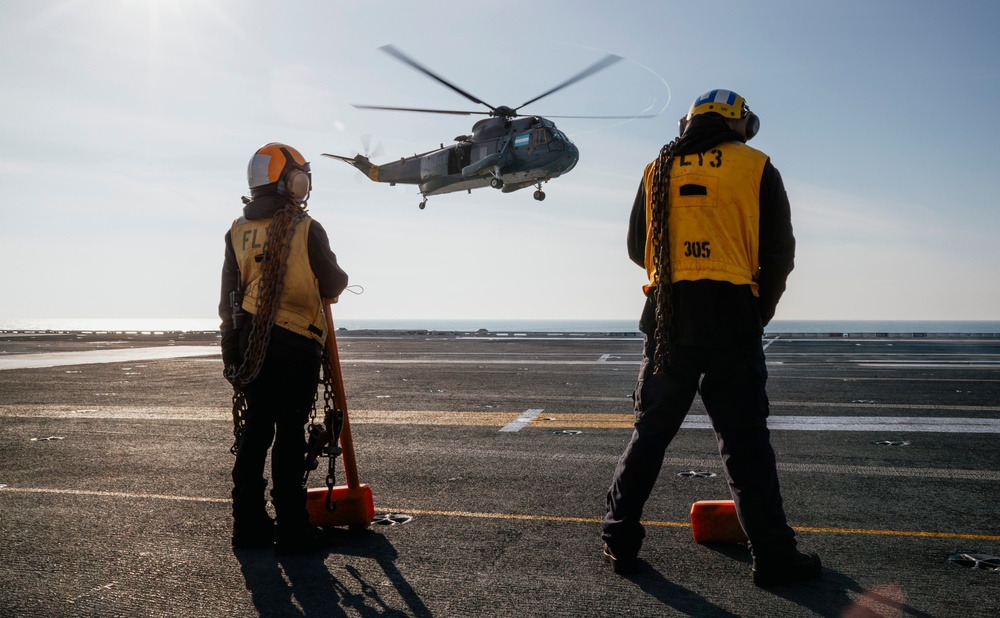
(503, 112)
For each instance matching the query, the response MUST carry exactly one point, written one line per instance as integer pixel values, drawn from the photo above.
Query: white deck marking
(121, 355)
(866, 423)
(520, 422)
(957, 364)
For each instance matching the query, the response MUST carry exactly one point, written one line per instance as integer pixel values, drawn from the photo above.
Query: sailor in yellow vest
(278, 273)
(711, 225)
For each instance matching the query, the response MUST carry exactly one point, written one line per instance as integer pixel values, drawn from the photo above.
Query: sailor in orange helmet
(279, 273)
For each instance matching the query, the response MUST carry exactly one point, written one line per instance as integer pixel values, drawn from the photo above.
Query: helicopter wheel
(497, 183)
(423, 204)
(539, 195)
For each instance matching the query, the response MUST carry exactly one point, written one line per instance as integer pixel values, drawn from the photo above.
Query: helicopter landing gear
(539, 195)
(496, 182)
(423, 203)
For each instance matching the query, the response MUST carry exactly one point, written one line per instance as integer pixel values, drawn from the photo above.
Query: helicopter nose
(570, 158)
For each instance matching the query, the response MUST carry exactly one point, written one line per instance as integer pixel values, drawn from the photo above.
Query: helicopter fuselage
(506, 153)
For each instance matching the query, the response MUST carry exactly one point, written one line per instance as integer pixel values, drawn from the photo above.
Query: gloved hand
(231, 349)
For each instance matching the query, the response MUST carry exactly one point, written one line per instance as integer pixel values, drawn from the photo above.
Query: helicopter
(508, 151)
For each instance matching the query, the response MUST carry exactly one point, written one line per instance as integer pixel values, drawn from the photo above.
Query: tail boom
(360, 162)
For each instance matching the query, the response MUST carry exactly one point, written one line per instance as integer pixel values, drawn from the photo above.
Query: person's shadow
(304, 586)
(832, 595)
(675, 596)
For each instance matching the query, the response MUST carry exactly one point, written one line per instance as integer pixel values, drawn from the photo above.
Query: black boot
(300, 539)
(252, 526)
(621, 563)
(255, 532)
(294, 534)
(792, 568)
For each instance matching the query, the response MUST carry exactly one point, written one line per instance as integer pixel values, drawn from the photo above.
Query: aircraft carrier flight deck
(489, 455)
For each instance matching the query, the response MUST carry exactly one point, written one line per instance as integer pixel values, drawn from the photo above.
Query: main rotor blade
(416, 109)
(392, 51)
(603, 117)
(601, 64)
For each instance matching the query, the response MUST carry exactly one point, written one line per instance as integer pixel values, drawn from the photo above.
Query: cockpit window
(556, 140)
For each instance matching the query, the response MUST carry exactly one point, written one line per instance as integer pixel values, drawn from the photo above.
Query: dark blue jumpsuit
(731, 382)
(280, 399)
(716, 350)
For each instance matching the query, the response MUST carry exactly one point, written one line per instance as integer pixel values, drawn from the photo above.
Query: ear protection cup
(748, 126)
(751, 125)
(298, 184)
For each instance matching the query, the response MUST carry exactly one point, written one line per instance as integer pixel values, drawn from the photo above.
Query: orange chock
(352, 506)
(715, 521)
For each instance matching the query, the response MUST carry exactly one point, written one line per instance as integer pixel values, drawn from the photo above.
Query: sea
(499, 325)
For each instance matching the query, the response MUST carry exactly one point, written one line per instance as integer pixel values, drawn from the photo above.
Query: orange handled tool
(344, 505)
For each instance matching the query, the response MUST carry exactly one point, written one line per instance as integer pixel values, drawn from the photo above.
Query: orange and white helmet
(281, 169)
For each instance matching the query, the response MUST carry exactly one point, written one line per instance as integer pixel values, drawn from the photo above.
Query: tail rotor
(368, 151)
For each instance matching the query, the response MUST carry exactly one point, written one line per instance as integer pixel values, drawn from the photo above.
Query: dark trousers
(732, 386)
(279, 401)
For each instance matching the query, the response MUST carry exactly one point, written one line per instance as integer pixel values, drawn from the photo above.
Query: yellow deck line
(684, 524)
(502, 418)
(510, 516)
(913, 533)
(109, 494)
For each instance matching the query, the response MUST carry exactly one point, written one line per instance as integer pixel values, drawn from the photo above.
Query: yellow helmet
(281, 169)
(727, 104)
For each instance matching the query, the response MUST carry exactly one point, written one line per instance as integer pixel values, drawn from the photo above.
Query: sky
(127, 125)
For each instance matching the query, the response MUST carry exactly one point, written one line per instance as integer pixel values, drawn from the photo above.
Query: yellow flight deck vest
(300, 308)
(714, 215)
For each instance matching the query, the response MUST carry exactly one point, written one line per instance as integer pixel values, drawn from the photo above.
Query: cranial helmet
(279, 169)
(730, 106)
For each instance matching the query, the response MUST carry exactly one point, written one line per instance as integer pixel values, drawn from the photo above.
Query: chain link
(277, 246)
(324, 438)
(660, 212)
(333, 417)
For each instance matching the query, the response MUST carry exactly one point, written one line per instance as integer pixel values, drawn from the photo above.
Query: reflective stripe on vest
(714, 215)
(300, 308)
